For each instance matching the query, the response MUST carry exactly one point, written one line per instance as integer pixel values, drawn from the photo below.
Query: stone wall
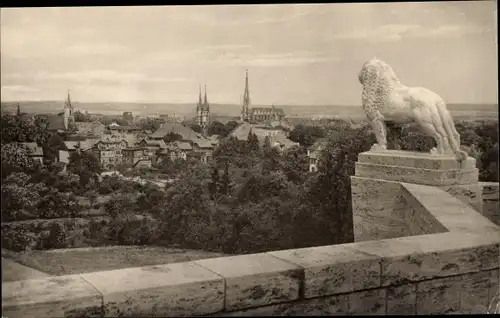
(450, 264)
(491, 208)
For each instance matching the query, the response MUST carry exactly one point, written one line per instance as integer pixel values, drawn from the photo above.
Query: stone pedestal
(378, 205)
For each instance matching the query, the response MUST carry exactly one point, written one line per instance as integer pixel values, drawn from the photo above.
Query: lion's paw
(378, 147)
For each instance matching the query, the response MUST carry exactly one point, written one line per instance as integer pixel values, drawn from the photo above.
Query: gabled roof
(279, 111)
(203, 143)
(173, 127)
(154, 143)
(197, 154)
(55, 122)
(92, 128)
(182, 145)
(84, 145)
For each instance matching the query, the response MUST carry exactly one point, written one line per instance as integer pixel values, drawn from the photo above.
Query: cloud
(399, 32)
(96, 76)
(19, 89)
(84, 49)
(274, 60)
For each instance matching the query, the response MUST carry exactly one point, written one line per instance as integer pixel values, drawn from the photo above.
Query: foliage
(195, 127)
(81, 117)
(19, 129)
(171, 136)
(306, 135)
(85, 165)
(19, 240)
(253, 142)
(295, 164)
(57, 237)
(57, 204)
(52, 147)
(20, 197)
(15, 159)
(118, 204)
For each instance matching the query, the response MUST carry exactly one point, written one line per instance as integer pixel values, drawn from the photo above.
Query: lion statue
(385, 98)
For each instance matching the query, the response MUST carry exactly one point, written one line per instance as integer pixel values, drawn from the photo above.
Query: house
(92, 129)
(136, 157)
(277, 136)
(199, 155)
(35, 152)
(109, 150)
(128, 129)
(314, 152)
(152, 146)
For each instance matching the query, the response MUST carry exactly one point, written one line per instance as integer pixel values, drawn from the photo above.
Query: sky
(296, 54)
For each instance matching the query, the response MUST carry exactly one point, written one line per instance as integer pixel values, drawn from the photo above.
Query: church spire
(199, 100)
(205, 101)
(246, 99)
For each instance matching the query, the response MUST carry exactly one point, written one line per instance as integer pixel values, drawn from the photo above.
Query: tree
(171, 137)
(195, 127)
(86, 165)
(216, 128)
(20, 197)
(295, 164)
(306, 135)
(213, 186)
(57, 236)
(230, 126)
(81, 117)
(253, 142)
(15, 159)
(52, 147)
(226, 183)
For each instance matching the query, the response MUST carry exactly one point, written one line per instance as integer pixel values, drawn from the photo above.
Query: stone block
(470, 194)
(335, 269)
(368, 302)
(414, 159)
(491, 209)
(452, 213)
(402, 300)
(416, 167)
(420, 221)
(417, 176)
(494, 290)
(323, 306)
(475, 290)
(378, 209)
(439, 296)
(256, 279)
(417, 258)
(177, 289)
(64, 296)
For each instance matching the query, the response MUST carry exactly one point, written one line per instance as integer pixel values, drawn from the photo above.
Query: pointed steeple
(205, 101)
(207, 106)
(199, 100)
(68, 104)
(18, 110)
(246, 100)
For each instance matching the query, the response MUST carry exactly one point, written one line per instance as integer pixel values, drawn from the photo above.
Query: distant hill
(223, 110)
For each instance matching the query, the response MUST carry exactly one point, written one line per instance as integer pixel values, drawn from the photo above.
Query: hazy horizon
(296, 54)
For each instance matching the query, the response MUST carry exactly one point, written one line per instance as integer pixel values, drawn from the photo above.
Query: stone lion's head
(376, 71)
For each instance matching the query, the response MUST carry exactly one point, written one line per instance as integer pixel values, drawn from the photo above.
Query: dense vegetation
(250, 198)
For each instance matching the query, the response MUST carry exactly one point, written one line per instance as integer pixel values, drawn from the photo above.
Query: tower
(206, 111)
(69, 119)
(199, 108)
(203, 110)
(246, 100)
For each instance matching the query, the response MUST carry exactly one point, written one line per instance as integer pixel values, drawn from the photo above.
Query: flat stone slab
(177, 289)
(433, 255)
(13, 271)
(334, 269)
(64, 296)
(413, 159)
(256, 279)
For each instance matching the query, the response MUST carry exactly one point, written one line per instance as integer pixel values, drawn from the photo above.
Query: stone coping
(227, 284)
